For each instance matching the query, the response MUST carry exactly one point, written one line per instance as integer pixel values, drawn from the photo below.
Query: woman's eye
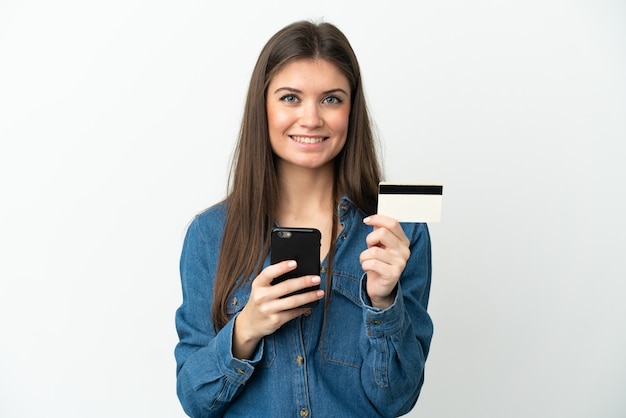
(289, 98)
(332, 100)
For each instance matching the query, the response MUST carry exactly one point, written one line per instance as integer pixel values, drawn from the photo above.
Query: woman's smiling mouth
(308, 139)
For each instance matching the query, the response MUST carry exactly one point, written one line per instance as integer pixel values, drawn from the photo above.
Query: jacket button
(323, 269)
(235, 301)
(304, 413)
(299, 360)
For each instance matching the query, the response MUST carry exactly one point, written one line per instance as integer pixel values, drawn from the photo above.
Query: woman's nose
(311, 116)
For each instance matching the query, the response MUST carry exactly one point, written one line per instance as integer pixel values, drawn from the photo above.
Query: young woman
(306, 157)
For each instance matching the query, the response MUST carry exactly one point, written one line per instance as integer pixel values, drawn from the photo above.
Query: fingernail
(316, 279)
(366, 220)
(291, 263)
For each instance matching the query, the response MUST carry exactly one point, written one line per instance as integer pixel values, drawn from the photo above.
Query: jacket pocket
(344, 322)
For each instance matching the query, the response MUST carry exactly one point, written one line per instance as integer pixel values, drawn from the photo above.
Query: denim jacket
(367, 362)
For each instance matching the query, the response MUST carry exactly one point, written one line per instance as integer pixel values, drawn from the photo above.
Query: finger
(372, 253)
(379, 254)
(386, 222)
(297, 301)
(287, 315)
(282, 304)
(381, 237)
(380, 221)
(384, 238)
(278, 291)
(273, 271)
(296, 284)
(386, 262)
(384, 265)
(385, 271)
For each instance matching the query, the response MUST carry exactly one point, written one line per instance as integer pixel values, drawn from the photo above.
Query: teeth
(307, 140)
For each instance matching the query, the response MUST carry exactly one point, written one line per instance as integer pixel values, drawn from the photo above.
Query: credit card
(410, 202)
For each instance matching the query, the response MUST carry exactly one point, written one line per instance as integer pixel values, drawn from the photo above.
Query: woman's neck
(306, 196)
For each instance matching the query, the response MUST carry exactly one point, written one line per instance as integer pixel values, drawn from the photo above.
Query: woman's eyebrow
(294, 90)
(337, 90)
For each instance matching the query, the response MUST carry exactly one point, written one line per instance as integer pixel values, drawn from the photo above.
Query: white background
(117, 122)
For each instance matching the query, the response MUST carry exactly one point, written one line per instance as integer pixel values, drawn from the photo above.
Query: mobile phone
(301, 245)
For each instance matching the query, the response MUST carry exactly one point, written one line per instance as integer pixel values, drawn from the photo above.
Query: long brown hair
(253, 187)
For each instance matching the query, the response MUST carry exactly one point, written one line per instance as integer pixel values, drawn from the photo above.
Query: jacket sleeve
(208, 377)
(396, 340)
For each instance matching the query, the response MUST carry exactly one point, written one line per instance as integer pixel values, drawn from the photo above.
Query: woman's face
(308, 108)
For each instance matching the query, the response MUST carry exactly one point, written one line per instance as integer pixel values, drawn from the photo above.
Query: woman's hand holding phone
(286, 289)
(269, 308)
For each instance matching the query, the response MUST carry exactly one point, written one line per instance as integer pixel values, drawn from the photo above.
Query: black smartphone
(301, 245)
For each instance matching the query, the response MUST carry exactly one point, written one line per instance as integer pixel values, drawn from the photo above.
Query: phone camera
(284, 234)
